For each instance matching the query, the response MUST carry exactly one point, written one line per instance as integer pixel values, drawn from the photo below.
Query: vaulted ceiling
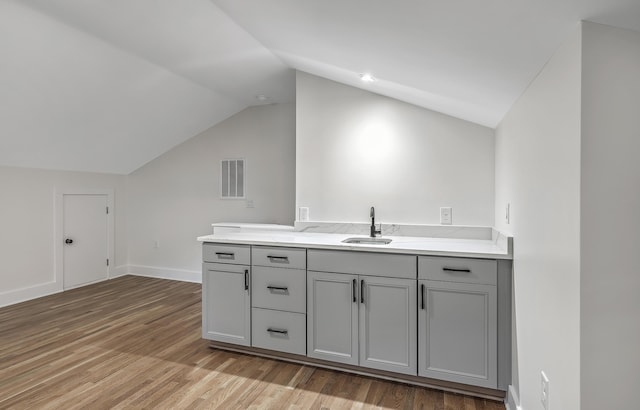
(108, 85)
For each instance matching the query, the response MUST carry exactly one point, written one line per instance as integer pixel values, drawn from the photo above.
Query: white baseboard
(119, 271)
(37, 291)
(165, 273)
(513, 402)
(32, 292)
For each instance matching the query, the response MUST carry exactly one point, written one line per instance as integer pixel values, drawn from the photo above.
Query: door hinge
(107, 262)
(107, 210)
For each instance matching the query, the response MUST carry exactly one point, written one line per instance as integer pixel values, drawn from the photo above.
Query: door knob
(68, 241)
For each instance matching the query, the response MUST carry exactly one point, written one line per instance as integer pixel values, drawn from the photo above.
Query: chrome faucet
(374, 231)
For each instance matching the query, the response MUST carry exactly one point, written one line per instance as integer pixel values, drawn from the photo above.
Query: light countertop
(237, 226)
(498, 248)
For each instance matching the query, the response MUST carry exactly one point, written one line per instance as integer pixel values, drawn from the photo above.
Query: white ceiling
(467, 58)
(108, 85)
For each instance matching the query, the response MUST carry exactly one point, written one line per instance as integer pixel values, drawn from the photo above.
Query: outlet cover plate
(445, 215)
(303, 214)
(544, 390)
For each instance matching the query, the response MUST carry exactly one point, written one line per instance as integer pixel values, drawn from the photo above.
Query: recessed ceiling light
(262, 98)
(367, 77)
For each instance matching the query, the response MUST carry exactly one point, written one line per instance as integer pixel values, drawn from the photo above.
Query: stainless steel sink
(368, 241)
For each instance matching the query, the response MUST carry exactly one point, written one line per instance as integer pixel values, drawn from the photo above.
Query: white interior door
(85, 237)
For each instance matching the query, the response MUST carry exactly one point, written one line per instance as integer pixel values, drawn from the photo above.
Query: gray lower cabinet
(226, 303)
(332, 317)
(279, 330)
(278, 299)
(226, 296)
(365, 320)
(457, 321)
(388, 335)
(443, 318)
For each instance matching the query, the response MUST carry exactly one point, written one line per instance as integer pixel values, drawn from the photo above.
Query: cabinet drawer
(458, 270)
(222, 253)
(293, 258)
(363, 263)
(280, 289)
(281, 331)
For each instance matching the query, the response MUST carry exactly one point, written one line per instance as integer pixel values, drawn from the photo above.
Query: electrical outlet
(544, 390)
(445, 215)
(249, 203)
(303, 214)
(156, 244)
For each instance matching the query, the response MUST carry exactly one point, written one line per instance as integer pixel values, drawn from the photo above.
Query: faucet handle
(372, 213)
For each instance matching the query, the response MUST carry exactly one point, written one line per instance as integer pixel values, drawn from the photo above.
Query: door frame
(58, 230)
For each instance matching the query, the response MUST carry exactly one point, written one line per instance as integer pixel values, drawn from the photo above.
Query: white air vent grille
(232, 175)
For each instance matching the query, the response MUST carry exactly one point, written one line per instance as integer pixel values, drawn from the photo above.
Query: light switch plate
(445, 215)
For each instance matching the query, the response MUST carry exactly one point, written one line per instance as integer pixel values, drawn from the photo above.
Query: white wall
(538, 173)
(356, 149)
(27, 215)
(71, 100)
(175, 198)
(610, 257)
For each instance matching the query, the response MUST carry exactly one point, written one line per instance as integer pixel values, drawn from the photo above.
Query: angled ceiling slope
(469, 59)
(106, 86)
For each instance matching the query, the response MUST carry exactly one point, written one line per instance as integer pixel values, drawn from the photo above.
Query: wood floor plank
(134, 343)
(453, 401)
(424, 399)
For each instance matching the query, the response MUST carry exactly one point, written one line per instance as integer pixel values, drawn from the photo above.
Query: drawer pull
(246, 279)
(280, 331)
(466, 270)
(279, 259)
(278, 288)
(225, 255)
(354, 290)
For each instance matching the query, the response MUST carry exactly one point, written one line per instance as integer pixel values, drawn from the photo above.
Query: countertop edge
(359, 248)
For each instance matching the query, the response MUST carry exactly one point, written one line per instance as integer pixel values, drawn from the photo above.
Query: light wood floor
(134, 343)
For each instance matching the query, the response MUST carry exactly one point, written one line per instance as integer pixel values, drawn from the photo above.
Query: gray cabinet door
(332, 317)
(457, 335)
(388, 333)
(226, 303)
